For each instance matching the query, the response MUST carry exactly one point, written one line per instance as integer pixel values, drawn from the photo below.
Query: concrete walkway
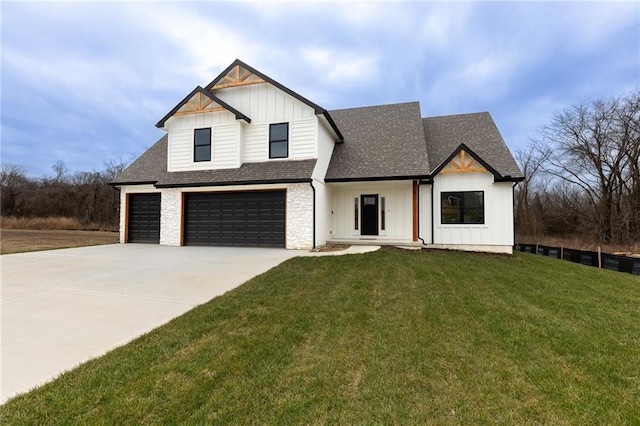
(63, 307)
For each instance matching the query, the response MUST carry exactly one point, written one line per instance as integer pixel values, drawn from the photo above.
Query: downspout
(314, 213)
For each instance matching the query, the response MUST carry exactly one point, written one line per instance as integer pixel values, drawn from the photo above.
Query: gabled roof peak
(241, 74)
(199, 101)
(236, 74)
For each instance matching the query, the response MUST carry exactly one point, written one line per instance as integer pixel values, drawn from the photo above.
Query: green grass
(389, 337)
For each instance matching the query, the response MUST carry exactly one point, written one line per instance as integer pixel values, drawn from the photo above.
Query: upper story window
(462, 207)
(202, 145)
(279, 140)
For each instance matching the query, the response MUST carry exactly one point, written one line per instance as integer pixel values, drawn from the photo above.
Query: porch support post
(415, 210)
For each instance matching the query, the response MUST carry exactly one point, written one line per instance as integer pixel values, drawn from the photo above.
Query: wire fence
(630, 265)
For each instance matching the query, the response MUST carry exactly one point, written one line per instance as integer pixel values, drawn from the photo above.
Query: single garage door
(144, 218)
(235, 219)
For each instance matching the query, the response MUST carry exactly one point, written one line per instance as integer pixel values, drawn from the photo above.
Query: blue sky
(85, 83)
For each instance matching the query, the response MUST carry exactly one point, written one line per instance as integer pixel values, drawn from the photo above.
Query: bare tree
(594, 148)
(12, 182)
(86, 196)
(528, 213)
(60, 169)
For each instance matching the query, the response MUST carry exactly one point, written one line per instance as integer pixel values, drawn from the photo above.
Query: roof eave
(479, 159)
(508, 178)
(198, 89)
(317, 109)
(375, 178)
(149, 182)
(230, 183)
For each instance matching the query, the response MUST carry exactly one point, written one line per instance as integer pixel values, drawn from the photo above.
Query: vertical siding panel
(498, 208)
(264, 104)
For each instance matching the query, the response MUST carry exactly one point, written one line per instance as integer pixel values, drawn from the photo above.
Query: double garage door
(215, 219)
(235, 219)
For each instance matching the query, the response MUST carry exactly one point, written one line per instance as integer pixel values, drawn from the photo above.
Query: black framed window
(462, 207)
(279, 140)
(202, 144)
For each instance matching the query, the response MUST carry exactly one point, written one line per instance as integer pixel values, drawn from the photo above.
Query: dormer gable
(201, 101)
(464, 160)
(241, 74)
(463, 163)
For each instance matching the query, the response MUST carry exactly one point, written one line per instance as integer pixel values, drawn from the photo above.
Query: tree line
(582, 178)
(85, 196)
(582, 173)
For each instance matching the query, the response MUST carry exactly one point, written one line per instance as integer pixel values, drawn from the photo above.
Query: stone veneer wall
(123, 211)
(170, 210)
(299, 216)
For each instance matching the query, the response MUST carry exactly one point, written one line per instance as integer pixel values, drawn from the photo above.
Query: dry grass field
(25, 240)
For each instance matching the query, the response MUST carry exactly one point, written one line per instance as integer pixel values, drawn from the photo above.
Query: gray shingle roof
(385, 141)
(381, 142)
(477, 131)
(151, 167)
(265, 172)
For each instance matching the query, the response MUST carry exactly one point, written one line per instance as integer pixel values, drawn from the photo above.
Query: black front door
(369, 208)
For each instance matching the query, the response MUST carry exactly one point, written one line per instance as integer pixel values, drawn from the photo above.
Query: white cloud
(340, 68)
(116, 68)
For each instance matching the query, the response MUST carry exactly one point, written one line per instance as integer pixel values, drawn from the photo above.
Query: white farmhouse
(248, 162)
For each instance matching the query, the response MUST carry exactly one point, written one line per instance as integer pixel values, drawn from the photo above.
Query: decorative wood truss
(199, 103)
(463, 164)
(238, 76)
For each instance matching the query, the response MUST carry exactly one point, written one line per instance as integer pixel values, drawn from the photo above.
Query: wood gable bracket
(237, 76)
(463, 164)
(199, 103)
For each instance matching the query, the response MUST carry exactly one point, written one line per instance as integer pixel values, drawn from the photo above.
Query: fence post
(599, 258)
(562, 252)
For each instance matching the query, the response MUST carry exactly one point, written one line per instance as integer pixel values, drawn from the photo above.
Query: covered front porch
(377, 212)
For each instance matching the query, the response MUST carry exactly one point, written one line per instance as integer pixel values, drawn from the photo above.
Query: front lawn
(389, 337)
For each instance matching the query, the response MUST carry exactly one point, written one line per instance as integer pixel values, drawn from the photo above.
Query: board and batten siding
(398, 209)
(234, 141)
(323, 192)
(424, 213)
(264, 103)
(498, 211)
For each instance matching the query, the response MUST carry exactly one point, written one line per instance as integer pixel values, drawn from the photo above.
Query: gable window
(202, 145)
(279, 140)
(462, 207)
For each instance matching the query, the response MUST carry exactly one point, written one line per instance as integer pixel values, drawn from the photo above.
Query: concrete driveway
(63, 307)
